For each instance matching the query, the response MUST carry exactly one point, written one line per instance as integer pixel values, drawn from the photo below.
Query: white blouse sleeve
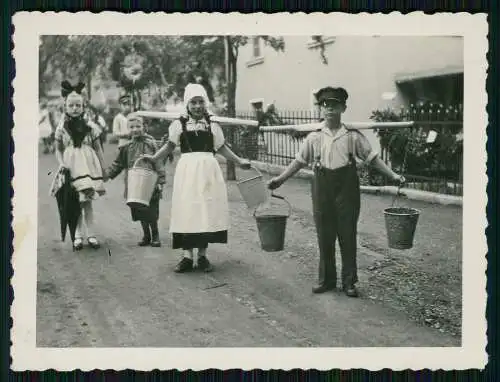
(218, 136)
(174, 132)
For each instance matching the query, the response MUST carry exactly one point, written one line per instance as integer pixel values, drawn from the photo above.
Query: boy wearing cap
(120, 127)
(334, 152)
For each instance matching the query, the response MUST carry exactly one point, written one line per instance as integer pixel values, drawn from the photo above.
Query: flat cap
(330, 92)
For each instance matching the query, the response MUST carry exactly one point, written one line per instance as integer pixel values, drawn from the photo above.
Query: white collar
(340, 132)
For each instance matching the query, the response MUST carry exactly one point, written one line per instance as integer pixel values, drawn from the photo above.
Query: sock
(202, 252)
(188, 254)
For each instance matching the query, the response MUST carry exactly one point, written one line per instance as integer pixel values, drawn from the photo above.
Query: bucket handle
(282, 198)
(256, 170)
(141, 159)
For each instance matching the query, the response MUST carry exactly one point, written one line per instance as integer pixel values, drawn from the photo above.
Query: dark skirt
(197, 240)
(147, 214)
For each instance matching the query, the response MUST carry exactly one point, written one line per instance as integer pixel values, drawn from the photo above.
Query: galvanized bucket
(272, 228)
(254, 190)
(141, 184)
(401, 223)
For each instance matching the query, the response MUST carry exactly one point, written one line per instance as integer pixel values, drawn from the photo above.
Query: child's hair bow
(67, 88)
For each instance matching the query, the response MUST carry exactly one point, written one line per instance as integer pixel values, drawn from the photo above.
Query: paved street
(123, 295)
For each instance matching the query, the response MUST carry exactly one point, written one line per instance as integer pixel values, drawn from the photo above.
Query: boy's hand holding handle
(274, 183)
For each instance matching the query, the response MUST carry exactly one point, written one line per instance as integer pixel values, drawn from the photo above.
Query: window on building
(256, 56)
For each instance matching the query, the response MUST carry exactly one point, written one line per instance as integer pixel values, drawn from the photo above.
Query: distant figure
(45, 128)
(94, 116)
(120, 124)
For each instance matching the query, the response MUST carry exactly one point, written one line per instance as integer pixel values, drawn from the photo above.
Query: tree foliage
(439, 158)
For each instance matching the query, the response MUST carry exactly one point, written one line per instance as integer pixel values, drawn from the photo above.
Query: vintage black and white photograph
(196, 190)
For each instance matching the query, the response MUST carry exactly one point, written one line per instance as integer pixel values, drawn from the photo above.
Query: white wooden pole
(308, 127)
(172, 116)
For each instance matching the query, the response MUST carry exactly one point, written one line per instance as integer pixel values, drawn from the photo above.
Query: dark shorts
(147, 214)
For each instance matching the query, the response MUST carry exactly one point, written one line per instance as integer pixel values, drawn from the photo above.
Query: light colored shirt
(333, 150)
(120, 127)
(175, 130)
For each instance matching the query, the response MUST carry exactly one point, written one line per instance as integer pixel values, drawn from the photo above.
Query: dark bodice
(197, 141)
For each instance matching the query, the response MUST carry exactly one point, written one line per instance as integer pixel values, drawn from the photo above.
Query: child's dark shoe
(204, 265)
(78, 244)
(351, 291)
(185, 265)
(93, 243)
(156, 243)
(144, 242)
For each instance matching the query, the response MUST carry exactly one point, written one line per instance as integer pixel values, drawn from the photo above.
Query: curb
(409, 193)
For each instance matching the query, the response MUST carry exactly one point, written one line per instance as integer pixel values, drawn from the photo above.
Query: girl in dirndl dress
(200, 209)
(78, 149)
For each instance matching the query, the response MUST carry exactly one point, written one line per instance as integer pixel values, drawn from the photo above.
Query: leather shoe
(155, 243)
(144, 242)
(185, 265)
(322, 288)
(351, 291)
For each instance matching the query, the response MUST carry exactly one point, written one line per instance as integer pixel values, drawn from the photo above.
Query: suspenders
(350, 147)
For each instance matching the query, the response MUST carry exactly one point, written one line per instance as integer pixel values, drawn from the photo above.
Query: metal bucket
(141, 184)
(254, 190)
(272, 228)
(401, 223)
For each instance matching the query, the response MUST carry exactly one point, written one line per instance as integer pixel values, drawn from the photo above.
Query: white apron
(199, 198)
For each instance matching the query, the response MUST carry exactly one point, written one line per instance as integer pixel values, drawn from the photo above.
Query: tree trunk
(89, 86)
(231, 109)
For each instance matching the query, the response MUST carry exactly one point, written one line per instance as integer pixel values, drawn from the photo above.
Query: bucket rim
(413, 211)
(272, 216)
(259, 175)
(142, 169)
(273, 195)
(249, 179)
(140, 159)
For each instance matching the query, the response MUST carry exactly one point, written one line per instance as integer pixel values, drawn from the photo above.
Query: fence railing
(280, 148)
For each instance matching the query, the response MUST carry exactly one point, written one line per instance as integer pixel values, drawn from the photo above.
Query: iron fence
(280, 148)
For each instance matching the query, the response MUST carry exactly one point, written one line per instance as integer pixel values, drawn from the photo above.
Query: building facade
(377, 71)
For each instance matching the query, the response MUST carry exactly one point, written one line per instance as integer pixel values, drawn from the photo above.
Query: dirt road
(123, 295)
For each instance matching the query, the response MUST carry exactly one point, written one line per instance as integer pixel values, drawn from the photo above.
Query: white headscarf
(196, 90)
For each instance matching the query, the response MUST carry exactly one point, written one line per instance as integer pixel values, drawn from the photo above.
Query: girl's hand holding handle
(399, 179)
(245, 164)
